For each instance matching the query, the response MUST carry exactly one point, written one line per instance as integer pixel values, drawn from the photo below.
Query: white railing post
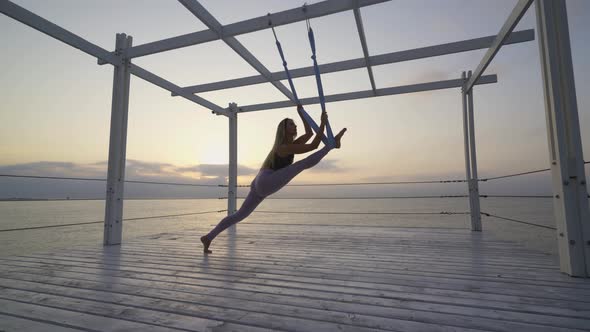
(570, 202)
(470, 156)
(113, 220)
(466, 140)
(232, 188)
(475, 211)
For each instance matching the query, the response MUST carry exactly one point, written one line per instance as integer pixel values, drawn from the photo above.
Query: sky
(56, 101)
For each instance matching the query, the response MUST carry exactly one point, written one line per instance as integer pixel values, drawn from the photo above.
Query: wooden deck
(295, 278)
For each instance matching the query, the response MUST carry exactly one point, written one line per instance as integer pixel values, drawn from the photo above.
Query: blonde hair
(279, 139)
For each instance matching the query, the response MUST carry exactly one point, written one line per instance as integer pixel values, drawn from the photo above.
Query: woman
(278, 169)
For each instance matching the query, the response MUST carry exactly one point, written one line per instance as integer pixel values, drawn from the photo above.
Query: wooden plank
(373, 275)
(221, 273)
(363, 315)
(9, 323)
(472, 243)
(187, 260)
(70, 318)
(354, 252)
(148, 278)
(280, 317)
(353, 248)
(440, 280)
(293, 279)
(405, 263)
(115, 309)
(353, 262)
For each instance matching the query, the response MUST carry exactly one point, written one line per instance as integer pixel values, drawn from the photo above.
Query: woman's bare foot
(338, 137)
(206, 243)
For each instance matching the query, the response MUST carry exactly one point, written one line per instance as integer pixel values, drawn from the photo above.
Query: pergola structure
(565, 147)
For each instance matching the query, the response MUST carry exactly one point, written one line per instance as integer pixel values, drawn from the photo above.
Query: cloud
(136, 170)
(433, 75)
(329, 165)
(216, 170)
(52, 168)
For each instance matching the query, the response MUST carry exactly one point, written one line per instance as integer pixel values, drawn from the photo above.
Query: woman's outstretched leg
(250, 203)
(269, 184)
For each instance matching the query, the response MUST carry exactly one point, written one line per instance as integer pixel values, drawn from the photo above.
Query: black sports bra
(281, 162)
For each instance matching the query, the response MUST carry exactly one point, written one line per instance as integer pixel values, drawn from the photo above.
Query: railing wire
(362, 197)
(104, 180)
(364, 183)
(102, 221)
(364, 213)
(512, 175)
(517, 221)
(290, 185)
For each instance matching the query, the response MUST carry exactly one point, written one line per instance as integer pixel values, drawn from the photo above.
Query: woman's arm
(297, 148)
(308, 132)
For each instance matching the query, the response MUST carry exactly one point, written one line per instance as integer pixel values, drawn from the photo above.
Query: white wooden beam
(466, 149)
(515, 16)
(473, 182)
(201, 13)
(232, 188)
(113, 219)
(376, 60)
(359, 26)
(166, 85)
(38, 23)
(255, 24)
(570, 202)
(456, 83)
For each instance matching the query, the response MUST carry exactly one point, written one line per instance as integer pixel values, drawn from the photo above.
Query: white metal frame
(562, 121)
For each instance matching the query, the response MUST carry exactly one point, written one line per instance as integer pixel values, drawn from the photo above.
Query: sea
(156, 216)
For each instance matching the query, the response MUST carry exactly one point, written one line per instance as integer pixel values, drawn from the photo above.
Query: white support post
(475, 210)
(113, 220)
(466, 142)
(470, 156)
(232, 189)
(570, 203)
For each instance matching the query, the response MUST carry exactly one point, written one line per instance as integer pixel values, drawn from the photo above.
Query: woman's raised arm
(308, 132)
(298, 148)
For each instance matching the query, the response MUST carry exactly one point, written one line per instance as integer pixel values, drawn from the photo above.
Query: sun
(213, 155)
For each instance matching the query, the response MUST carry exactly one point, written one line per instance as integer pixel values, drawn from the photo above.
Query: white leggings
(267, 182)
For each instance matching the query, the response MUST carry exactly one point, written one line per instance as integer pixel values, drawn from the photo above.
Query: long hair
(279, 139)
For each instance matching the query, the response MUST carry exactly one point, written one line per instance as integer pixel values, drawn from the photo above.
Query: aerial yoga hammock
(327, 140)
(278, 170)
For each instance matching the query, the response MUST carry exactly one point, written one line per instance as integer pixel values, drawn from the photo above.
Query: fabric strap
(329, 141)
